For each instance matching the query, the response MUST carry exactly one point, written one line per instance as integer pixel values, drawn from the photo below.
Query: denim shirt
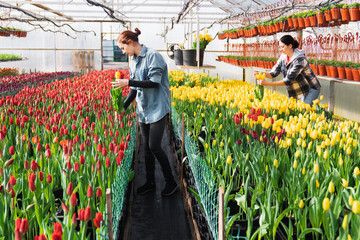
(152, 103)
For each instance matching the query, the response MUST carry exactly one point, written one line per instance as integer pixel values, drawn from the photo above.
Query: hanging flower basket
(345, 14)
(354, 14)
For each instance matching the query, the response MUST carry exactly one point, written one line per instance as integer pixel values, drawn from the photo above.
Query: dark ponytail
(127, 35)
(288, 39)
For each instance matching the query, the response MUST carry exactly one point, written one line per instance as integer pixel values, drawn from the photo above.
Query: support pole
(101, 47)
(331, 96)
(182, 145)
(109, 214)
(221, 214)
(198, 37)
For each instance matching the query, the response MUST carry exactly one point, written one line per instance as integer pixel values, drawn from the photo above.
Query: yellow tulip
(276, 163)
(321, 97)
(194, 114)
(351, 201)
(266, 168)
(331, 187)
(299, 141)
(345, 183)
(304, 144)
(356, 207)
(345, 222)
(228, 160)
(316, 168)
(214, 143)
(349, 237)
(297, 154)
(303, 171)
(117, 75)
(341, 162)
(356, 171)
(301, 204)
(206, 146)
(221, 144)
(326, 154)
(295, 164)
(348, 151)
(326, 204)
(317, 184)
(220, 115)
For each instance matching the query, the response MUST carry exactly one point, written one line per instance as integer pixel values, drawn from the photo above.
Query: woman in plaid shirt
(299, 79)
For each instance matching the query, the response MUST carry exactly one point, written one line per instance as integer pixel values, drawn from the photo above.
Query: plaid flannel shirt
(298, 76)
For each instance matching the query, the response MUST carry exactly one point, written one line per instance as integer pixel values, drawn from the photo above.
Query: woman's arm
(130, 97)
(120, 83)
(274, 84)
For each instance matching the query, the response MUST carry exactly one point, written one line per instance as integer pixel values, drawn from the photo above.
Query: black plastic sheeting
(155, 217)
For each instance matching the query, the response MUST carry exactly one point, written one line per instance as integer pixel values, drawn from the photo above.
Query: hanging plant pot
(342, 73)
(335, 14)
(301, 22)
(314, 68)
(345, 14)
(349, 75)
(189, 57)
(355, 74)
(295, 22)
(333, 72)
(328, 73)
(322, 70)
(327, 14)
(290, 23)
(307, 22)
(178, 57)
(277, 27)
(320, 18)
(354, 14)
(313, 21)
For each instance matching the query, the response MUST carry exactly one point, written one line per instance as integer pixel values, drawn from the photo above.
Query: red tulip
(38, 147)
(76, 167)
(11, 150)
(65, 208)
(69, 189)
(98, 165)
(26, 165)
(54, 129)
(12, 192)
(1, 172)
(73, 127)
(17, 223)
(90, 192)
(41, 175)
(18, 235)
(107, 162)
(32, 176)
(41, 237)
(48, 153)
(82, 159)
(49, 178)
(82, 147)
(98, 219)
(12, 180)
(23, 138)
(117, 133)
(81, 214)
(99, 148)
(128, 138)
(68, 164)
(32, 186)
(25, 119)
(58, 227)
(34, 165)
(1, 188)
(73, 199)
(73, 220)
(98, 193)
(11, 121)
(104, 152)
(87, 215)
(56, 236)
(24, 227)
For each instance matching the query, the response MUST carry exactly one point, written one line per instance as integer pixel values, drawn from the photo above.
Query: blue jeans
(311, 96)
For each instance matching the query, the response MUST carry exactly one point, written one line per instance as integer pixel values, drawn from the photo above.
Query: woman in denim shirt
(299, 79)
(150, 86)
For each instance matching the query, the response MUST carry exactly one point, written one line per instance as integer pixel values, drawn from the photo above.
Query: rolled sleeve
(276, 70)
(296, 68)
(156, 68)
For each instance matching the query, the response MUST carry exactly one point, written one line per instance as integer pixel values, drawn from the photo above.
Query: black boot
(146, 188)
(170, 188)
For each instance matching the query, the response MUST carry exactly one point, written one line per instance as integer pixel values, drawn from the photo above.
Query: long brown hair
(128, 35)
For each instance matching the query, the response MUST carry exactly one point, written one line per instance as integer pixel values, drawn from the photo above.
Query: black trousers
(152, 135)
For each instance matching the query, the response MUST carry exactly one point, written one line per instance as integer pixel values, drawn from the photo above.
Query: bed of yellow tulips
(280, 159)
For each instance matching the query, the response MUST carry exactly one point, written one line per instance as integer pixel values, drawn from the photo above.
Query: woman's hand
(120, 83)
(261, 82)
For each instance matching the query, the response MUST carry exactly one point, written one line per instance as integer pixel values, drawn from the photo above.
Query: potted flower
(348, 67)
(355, 71)
(320, 17)
(354, 12)
(321, 67)
(335, 12)
(283, 23)
(333, 68)
(189, 55)
(341, 70)
(344, 12)
(313, 66)
(312, 18)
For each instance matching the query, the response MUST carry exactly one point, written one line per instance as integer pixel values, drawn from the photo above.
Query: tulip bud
(73, 220)
(26, 165)
(1, 172)
(76, 167)
(18, 235)
(12, 192)
(87, 215)
(73, 199)
(12, 180)
(48, 153)
(1, 188)
(90, 192)
(8, 162)
(24, 226)
(345, 222)
(98, 165)
(345, 183)
(82, 159)
(49, 178)
(34, 165)
(356, 171)
(30, 206)
(316, 168)
(65, 208)
(331, 187)
(32, 186)
(41, 176)
(326, 204)
(38, 147)
(17, 223)
(107, 162)
(68, 164)
(11, 150)
(82, 147)
(301, 204)
(69, 189)
(98, 193)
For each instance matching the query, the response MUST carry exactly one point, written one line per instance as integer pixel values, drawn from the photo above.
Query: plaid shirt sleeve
(296, 68)
(296, 84)
(276, 70)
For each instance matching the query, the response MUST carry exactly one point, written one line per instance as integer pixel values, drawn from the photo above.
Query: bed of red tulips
(60, 146)
(12, 84)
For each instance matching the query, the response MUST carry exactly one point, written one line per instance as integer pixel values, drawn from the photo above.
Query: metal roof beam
(49, 10)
